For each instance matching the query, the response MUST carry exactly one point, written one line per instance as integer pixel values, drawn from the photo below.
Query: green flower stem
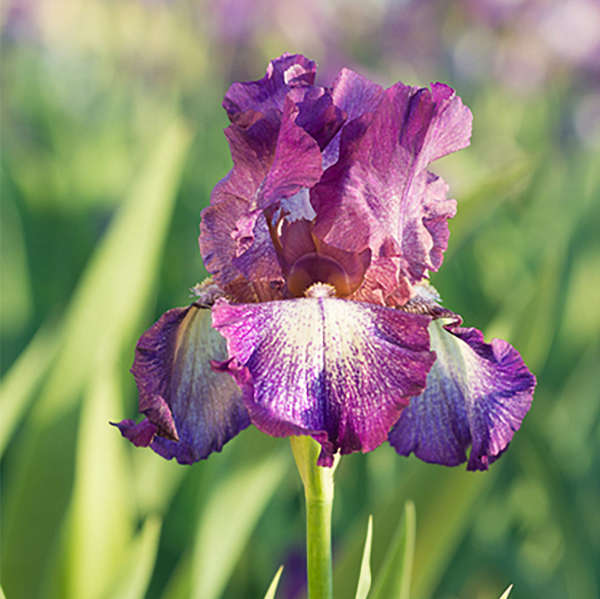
(318, 492)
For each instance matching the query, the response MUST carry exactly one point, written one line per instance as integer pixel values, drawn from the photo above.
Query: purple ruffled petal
(252, 150)
(284, 73)
(190, 409)
(318, 114)
(355, 95)
(336, 370)
(238, 252)
(234, 239)
(379, 194)
(297, 160)
(381, 285)
(477, 394)
(272, 161)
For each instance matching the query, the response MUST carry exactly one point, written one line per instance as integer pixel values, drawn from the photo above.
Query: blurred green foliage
(111, 142)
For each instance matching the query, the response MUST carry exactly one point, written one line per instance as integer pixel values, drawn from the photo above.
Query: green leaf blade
(394, 578)
(136, 574)
(25, 375)
(270, 594)
(364, 579)
(106, 308)
(227, 521)
(101, 517)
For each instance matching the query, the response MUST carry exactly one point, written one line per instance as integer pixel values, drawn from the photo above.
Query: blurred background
(111, 142)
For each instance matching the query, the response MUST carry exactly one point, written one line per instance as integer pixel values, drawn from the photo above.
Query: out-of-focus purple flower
(293, 584)
(319, 242)
(20, 19)
(524, 42)
(519, 44)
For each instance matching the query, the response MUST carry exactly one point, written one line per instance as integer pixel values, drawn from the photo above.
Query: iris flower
(318, 318)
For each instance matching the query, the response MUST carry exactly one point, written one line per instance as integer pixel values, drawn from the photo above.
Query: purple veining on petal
(355, 94)
(336, 370)
(379, 194)
(283, 73)
(190, 409)
(477, 394)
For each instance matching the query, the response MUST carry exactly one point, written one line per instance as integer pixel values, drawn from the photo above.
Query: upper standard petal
(283, 74)
(477, 394)
(355, 95)
(270, 163)
(275, 157)
(238, 252)
(381, 180)
(337, 370)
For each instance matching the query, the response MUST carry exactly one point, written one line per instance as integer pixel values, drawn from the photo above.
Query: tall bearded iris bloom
(318, 319)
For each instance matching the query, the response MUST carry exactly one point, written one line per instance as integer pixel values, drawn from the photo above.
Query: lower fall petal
(477, 394)
(337, 370)
(191, 409)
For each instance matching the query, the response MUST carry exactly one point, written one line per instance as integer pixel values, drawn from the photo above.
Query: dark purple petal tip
(477, 395)
(141, 434)
(336, 370)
